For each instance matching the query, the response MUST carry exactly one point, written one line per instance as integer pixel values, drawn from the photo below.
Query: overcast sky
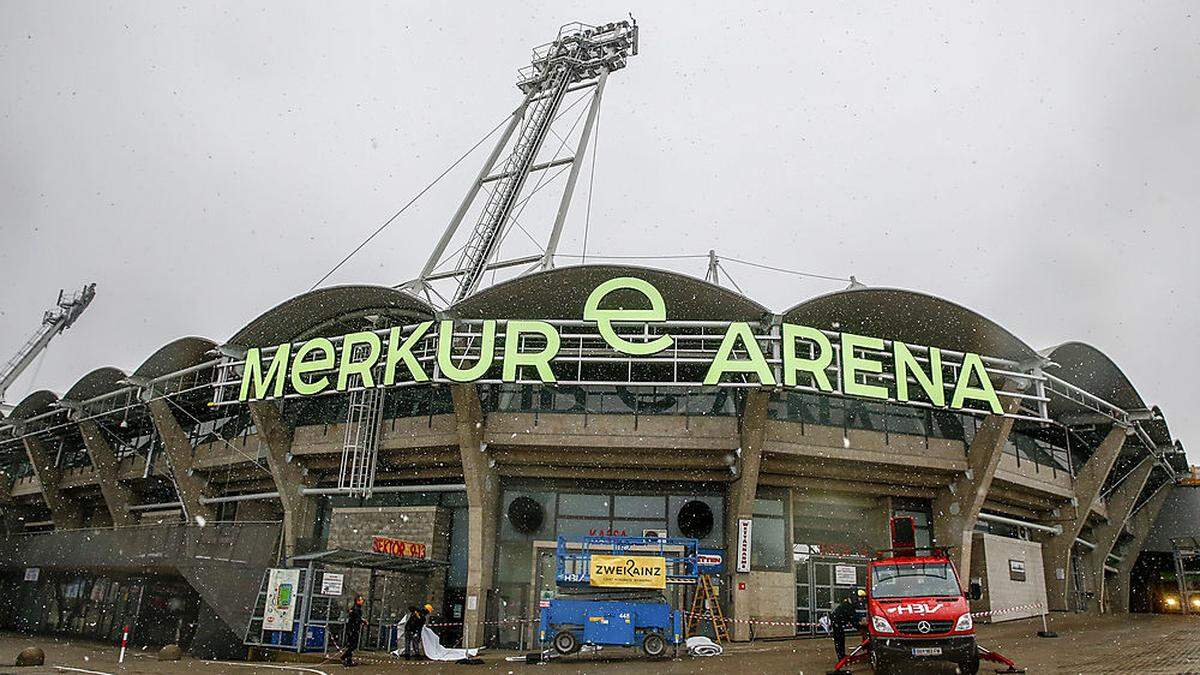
(202, 162)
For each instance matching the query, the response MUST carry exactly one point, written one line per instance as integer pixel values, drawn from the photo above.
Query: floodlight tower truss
(581, 57)
(61, 317)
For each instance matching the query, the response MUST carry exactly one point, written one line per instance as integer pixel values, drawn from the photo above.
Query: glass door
(821, 583)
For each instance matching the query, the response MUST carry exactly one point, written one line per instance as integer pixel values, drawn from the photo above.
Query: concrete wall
(772, 598)
(354, 528)
(1000, 592)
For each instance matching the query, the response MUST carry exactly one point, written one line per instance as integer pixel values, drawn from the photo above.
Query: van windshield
(913, 580)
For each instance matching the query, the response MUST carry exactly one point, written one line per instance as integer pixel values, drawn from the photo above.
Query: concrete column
(752, 431)
(1117, 590)
(1104, 536)
(6, 486)
(1056, 549)
(117, 495)
(483, 503)
(9, 510)
(956, 508)
(299, 511)
(65, 512)
(178, 453)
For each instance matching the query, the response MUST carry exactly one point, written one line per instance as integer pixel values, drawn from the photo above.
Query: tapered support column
(956, 508)
(117, 496)
(1104, 536)
(299, 511)
(752, 432)
(64, 511)
(483, 502)
(1056, 549)
(9, 510)
(1117, 589)
(178, 451)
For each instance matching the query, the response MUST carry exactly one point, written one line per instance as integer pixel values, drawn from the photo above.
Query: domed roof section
(175, 356)
(561, 293)
(1092, 370)
(96, 383)
(34, 404)
(910, 316)
(330, 311)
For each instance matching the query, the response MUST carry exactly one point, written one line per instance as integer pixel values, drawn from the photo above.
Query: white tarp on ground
(698, 645)
(431, 644)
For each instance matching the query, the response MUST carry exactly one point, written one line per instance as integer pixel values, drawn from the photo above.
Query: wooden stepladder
(706, 606)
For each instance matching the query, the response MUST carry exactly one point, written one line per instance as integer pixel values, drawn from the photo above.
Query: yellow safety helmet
(862, 593)
(428, 608)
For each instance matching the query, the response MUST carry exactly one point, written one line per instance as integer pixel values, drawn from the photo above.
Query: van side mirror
(974, 590)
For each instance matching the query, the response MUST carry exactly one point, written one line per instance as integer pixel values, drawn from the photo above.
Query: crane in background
(66, 311)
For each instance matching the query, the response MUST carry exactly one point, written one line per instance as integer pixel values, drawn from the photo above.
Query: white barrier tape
(1006, 610)
(757, 622)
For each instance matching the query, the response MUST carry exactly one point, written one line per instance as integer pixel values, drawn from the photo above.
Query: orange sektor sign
(398, 547)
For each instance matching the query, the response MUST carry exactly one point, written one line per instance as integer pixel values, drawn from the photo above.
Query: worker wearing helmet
(417, 616)
(844, 616)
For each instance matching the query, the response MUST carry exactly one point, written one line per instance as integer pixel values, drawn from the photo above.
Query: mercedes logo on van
(923, 626)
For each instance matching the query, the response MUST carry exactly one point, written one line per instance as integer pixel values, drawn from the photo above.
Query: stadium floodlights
(531, 351)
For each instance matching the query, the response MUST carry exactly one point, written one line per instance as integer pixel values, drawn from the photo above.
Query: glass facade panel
(768, 537)
(584, 505)
(628, 506)
(608, 399)
(837, 523)
(884, 417)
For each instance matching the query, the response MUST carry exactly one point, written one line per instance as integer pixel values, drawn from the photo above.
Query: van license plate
(927, 651)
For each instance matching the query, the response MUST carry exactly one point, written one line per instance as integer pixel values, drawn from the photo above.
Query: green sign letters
(864, 366)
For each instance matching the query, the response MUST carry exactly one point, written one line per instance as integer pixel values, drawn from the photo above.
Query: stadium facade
(158, 497)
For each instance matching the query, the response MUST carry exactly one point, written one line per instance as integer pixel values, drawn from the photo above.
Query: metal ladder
(360, 444)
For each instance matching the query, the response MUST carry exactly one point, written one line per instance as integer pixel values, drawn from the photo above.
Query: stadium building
(562, 402)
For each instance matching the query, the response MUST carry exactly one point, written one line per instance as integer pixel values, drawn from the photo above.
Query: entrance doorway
(821, 583)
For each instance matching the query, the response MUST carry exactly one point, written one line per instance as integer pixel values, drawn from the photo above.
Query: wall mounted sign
(745, 525)
(397, 547)
(711, 353)
(1016, 570)
(280, 609)
(628, 571)
(332, 584)
(845, 575)
(710, 561)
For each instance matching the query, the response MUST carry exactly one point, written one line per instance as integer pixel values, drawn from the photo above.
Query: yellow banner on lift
(628, 571)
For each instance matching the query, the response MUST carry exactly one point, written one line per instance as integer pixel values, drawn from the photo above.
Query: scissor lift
(600, 616)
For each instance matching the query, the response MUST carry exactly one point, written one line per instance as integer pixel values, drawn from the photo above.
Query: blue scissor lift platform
(626, 617)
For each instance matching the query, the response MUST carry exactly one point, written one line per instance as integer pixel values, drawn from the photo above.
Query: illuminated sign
(398, 547)
(783, 355)
(628, 571)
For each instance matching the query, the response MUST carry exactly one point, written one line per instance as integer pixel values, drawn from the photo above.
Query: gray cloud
(204, 162)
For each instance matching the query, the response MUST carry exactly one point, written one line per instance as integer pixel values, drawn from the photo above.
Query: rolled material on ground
(701, 646)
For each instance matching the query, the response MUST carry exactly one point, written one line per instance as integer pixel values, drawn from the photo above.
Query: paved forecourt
(1092, 644)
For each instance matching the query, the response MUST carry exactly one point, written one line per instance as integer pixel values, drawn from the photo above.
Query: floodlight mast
(581, 57)
(67, 310)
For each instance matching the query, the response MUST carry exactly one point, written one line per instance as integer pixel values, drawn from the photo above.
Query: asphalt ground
(1144, 644)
